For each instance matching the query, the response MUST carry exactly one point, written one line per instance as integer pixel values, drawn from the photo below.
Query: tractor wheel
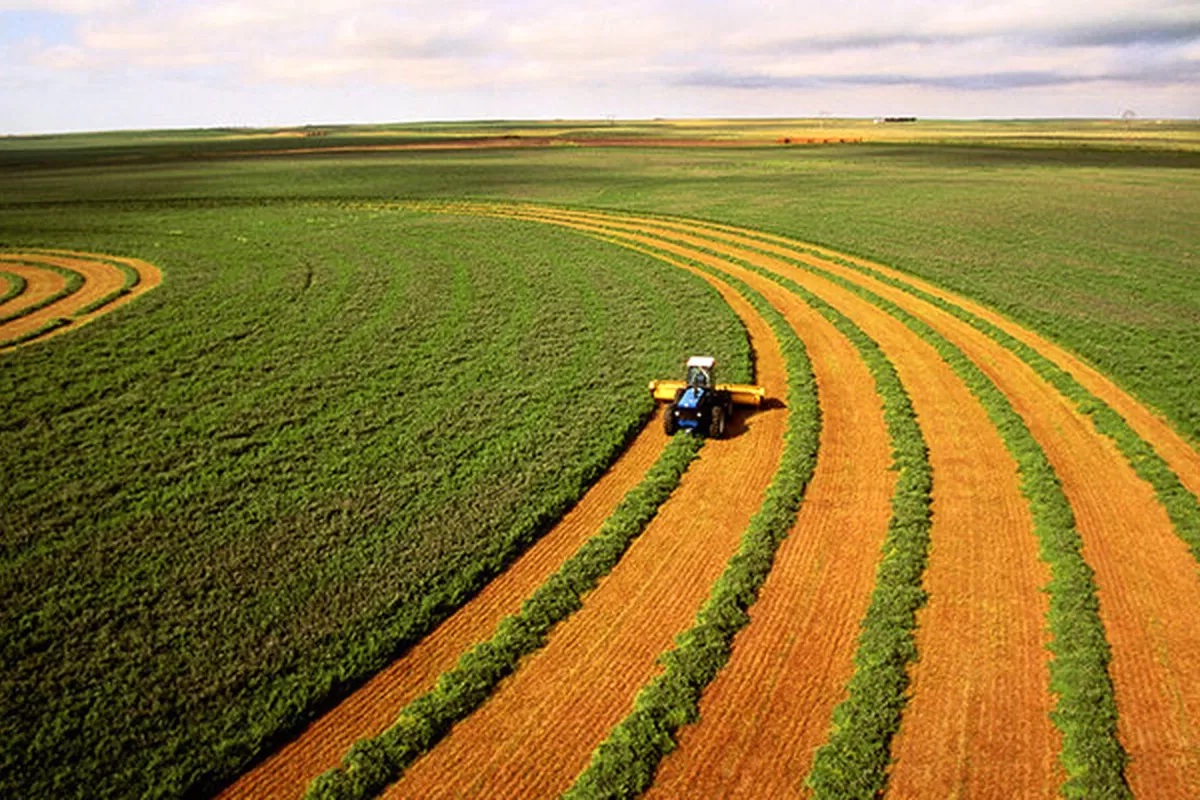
(669, 420)
(716, 425)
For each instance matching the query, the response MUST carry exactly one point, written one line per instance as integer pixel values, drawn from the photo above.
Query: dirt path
(537, 732)
(101, 278)
(981, 639)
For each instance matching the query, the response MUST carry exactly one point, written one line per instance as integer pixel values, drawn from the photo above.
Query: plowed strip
(770, 706)
(39, 284)
(375, 706)
(536, 733)
(100, 279)
(981, 636)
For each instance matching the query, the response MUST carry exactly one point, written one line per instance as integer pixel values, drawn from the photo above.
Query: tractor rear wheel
(669, 420)
(716, 425)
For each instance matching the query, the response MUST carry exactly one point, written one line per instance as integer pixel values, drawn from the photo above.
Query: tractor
(698, 404)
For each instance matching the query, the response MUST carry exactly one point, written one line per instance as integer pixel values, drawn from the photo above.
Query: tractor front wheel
(669, 420)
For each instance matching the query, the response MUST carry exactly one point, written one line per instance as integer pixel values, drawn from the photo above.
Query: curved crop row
(854, 763)
(91, 285)
(373, 763)
(868, 721)
(74, 282)
(1181, 504)
(864, 725)
(1086, 711)
(625, 761)
(16, 286)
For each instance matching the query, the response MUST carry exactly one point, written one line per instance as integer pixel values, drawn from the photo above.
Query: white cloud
(623, 54)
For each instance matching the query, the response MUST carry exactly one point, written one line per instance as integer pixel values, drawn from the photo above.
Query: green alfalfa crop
(373, 763)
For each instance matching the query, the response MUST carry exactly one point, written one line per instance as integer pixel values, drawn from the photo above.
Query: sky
(70, 65)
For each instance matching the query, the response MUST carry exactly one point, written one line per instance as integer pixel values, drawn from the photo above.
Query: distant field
(235, 498)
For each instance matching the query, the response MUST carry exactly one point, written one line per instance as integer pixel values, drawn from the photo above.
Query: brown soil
(520, 743)
(100, 279)
(981, 695)
(376, 705)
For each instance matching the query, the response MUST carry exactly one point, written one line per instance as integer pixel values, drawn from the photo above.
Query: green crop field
(229, 502)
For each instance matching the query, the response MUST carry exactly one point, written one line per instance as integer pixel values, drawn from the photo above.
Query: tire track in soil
(1147, 580)
(983, 670)
(375, 706)
(524, 741)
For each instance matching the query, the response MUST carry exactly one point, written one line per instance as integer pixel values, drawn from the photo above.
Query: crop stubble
(39, 284)
(1145, 575)
(521, 743)
(981, 636)
(100, 279)
(372, 708)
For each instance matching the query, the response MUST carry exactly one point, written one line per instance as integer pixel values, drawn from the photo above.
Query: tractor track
(521, 743)
(372, 708)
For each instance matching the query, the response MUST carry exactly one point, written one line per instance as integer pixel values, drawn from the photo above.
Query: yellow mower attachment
(742, 394)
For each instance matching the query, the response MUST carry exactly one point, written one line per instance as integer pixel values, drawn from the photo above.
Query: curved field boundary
(536, 733)
(64, 289)
(369, 711)
(374, 763)
(886, 645)
(16, 286)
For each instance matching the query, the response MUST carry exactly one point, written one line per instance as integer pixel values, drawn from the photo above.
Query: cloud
(622, 54)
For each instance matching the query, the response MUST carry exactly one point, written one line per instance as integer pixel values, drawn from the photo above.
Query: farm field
(385, 410)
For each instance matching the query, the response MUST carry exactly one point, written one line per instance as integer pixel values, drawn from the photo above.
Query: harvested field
(978, 512)
(64, 290)
(370, 498)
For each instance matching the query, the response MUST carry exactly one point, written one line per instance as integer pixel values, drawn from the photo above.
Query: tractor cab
(700, 372)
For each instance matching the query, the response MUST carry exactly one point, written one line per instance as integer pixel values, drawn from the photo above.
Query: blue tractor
(699, 404)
